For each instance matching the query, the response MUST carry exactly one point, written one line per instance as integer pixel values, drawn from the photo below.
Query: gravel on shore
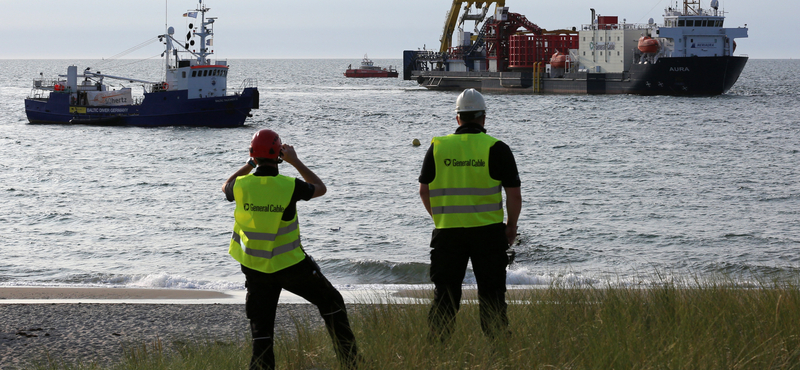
(99, 332)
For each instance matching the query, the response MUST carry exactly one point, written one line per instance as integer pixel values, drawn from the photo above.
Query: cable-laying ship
(194, 91)
(691, 53)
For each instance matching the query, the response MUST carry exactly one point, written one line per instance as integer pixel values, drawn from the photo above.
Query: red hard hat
(265, 144)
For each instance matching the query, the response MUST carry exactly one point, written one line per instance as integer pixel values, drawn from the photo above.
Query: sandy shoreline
(105, 293)
(34, 295)
(98, 332)
(96, 324)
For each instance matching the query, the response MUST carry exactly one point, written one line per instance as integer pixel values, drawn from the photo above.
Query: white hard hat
(470, 101)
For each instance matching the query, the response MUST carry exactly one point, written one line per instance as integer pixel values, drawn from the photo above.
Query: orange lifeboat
(558, 60)
(648, 45)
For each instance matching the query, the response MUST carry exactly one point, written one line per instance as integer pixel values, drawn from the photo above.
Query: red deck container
(528, 49)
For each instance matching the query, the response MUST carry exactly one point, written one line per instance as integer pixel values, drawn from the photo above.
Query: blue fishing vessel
(194, 91)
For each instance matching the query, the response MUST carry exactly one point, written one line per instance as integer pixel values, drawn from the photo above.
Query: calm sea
(615, 187)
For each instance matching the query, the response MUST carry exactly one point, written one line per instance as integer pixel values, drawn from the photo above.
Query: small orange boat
(648, 45)
(368, 69)
(558, 60)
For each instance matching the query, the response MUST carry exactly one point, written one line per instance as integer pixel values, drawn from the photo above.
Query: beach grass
(671, 325)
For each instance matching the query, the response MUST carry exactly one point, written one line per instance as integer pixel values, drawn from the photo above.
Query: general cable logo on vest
(250, 207)
(465, 163)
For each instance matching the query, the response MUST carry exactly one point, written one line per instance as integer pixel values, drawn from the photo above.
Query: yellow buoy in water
(415, 142)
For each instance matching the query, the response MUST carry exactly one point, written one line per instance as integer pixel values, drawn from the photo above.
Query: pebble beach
(100, 332)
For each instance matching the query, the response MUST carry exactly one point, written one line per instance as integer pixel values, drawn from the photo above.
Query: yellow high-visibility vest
(463, 194)
(261, 240)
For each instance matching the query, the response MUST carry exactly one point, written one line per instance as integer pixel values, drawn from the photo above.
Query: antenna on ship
(166, 31)
(204, 33)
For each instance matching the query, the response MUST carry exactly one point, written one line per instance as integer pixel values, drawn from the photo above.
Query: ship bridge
(696, 31)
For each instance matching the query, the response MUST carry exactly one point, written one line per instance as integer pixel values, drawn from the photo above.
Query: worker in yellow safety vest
(461, 183)
(266, 242)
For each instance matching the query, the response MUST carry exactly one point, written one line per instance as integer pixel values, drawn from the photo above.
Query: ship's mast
(166, 34)
(693, 5)
(206, 31)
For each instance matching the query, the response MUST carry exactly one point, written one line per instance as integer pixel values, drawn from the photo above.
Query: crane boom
(452, 18)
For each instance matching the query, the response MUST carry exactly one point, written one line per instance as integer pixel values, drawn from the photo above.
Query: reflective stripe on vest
(252, 235)
(465, 191)
(463, 194)
(267, 254)
(261, 240)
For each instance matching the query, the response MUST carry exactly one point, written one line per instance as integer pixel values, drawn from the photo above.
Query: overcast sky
(93, 29)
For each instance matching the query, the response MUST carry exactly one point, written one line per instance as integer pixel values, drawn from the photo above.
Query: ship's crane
(452, 18)
(499, 32)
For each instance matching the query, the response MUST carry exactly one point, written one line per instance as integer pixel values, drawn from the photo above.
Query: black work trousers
(451, 250)
(305, 280)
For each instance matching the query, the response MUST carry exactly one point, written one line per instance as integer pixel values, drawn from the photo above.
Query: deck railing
(248, 82)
